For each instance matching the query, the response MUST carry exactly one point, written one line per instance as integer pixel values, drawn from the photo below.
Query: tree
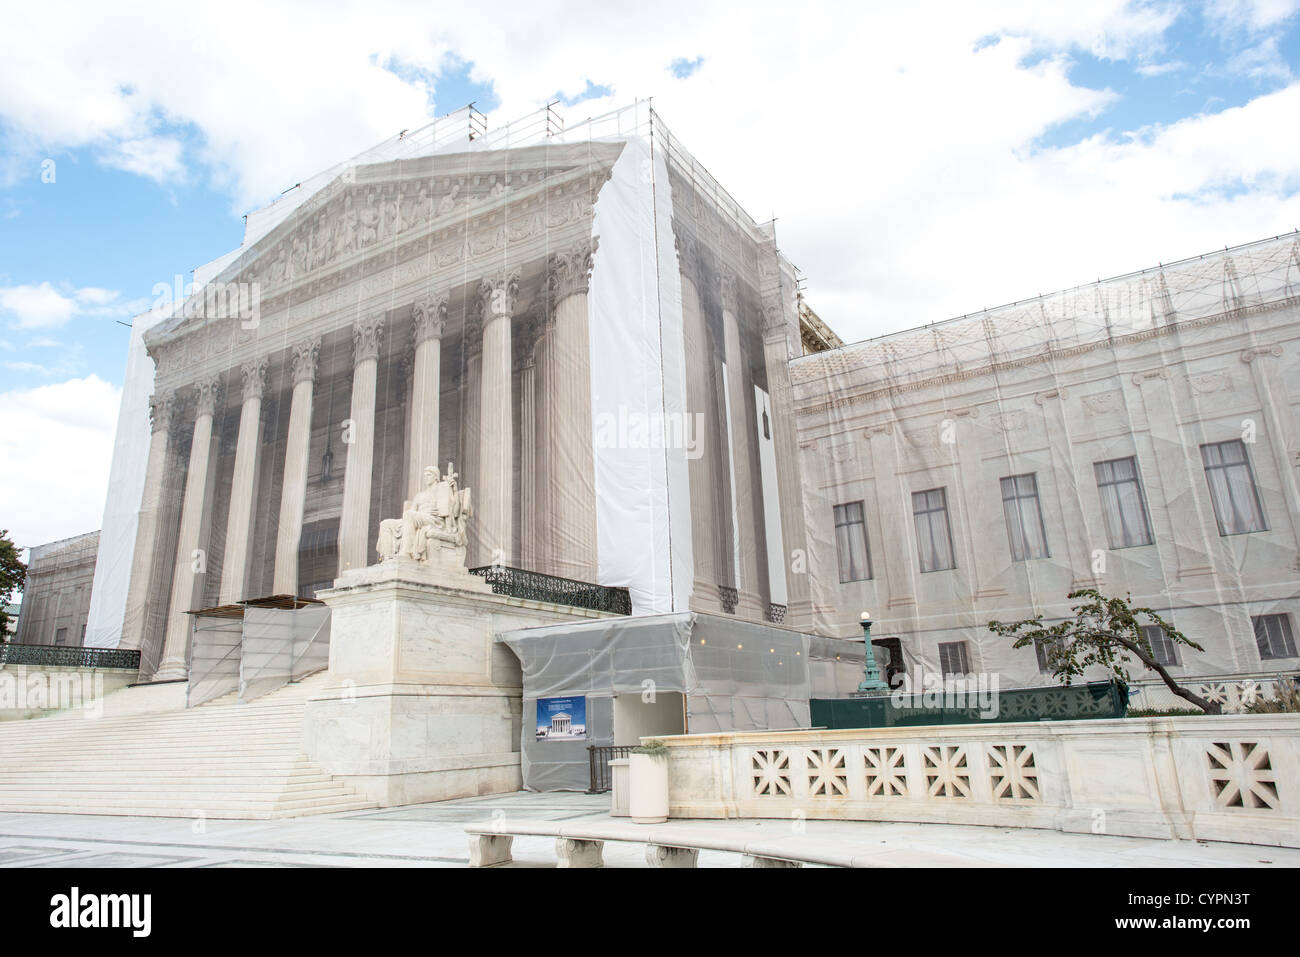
(1104, 631)
(12, 575)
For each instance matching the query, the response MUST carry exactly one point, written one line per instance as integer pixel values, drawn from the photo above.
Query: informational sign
(561, 719)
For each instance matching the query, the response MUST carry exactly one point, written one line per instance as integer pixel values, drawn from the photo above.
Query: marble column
(528, 540)
(495, 495)
(741, 441)
(704, 518)
(161, 411)
(428, 319)
(293, 496)
(354, 526)
(543, 511)
(573, 521)
(239, 522)
(191, 560)
(471, 406)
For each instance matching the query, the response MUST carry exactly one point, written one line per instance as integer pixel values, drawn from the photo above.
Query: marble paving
(431, 835)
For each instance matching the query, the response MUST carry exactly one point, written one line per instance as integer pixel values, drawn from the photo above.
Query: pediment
(455, 206)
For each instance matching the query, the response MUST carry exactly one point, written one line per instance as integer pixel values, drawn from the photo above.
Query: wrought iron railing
(776, 613)
(602, 776)
(63, 656)
(518, 583)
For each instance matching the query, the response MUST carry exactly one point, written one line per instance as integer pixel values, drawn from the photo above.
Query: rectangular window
(1123, 504)
(1273, 636)
(1163, 648)
(933, 532)
(953, 659)
(1044, 649)
(1237, 506)
(851, 542)
(61, 636)
(1025, 529)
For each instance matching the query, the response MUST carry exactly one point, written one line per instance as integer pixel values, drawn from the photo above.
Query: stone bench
(667, 845)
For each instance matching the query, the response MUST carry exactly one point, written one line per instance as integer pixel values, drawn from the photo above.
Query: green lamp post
(871, 681)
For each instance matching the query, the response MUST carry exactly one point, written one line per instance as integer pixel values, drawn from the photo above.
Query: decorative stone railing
(1234, 693)
(1221, 778)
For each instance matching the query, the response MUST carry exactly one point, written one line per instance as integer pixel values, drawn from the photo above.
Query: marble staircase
(149, 755)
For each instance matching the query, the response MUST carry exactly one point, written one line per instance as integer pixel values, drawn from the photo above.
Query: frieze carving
(1102, 403)
(1204, 383)
(1043, 398)
(303, 360)
(871, 430)
(570, 270)
(161, 411)
(367, 334)
(207, 394)
(253, 375)
(429, 317)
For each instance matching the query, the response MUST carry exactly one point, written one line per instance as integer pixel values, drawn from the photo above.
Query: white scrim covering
(125, 488)
(281, 645)
(1146, 368)
(736, 676)
(215, 645)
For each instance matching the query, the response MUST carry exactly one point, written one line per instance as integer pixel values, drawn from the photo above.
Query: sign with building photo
(562, 719)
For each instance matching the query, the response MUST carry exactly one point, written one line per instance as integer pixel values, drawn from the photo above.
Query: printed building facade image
(617, 361)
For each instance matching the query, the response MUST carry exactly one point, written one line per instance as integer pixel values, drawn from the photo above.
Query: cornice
(799, 376)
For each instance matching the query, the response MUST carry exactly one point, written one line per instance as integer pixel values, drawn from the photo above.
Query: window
(933, 533)
(1273, 636)
(953, 659)
(1123, 505)
(1163, 648)
(61, 636)
(1025, 528)
(1044, 651)
(851, 541)
(1232, 488)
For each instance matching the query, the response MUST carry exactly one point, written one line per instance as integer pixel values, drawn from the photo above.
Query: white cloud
(1252, 16)
(42, 306)
(896, 142)
(62, 434)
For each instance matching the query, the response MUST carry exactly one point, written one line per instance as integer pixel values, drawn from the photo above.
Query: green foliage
(12, 575)
(1162, 712)
(654, 748)
(1285, 700)
(1105, 632)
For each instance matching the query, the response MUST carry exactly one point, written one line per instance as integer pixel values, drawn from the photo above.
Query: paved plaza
(432, 835)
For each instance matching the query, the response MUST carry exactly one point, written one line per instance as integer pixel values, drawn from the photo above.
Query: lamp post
(871, 681)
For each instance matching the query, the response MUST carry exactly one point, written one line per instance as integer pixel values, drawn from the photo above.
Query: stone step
(223, 759)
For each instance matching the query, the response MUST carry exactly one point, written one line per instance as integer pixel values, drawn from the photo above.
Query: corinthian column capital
(303, 360)
(428, 317)
(570, 269)
(254, 378)
(162, 409)
(497, 294)
(688, 256)
(206, 395)
(366, 336)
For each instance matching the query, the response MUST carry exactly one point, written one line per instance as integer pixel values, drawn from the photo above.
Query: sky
(921, 160)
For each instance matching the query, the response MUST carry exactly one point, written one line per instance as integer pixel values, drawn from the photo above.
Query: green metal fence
(1097, 699)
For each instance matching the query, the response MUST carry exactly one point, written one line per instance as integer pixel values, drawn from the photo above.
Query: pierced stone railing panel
(1229, 777)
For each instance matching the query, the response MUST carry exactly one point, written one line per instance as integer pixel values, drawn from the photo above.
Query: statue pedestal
(422, 703)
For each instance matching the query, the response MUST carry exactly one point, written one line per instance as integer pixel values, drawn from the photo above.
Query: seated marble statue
(437, 514)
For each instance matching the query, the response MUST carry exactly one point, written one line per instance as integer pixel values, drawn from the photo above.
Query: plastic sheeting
(1006, 458)
(125, 488)
(735, 676)
(215, 655)
(650, 444)
(281, 645)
